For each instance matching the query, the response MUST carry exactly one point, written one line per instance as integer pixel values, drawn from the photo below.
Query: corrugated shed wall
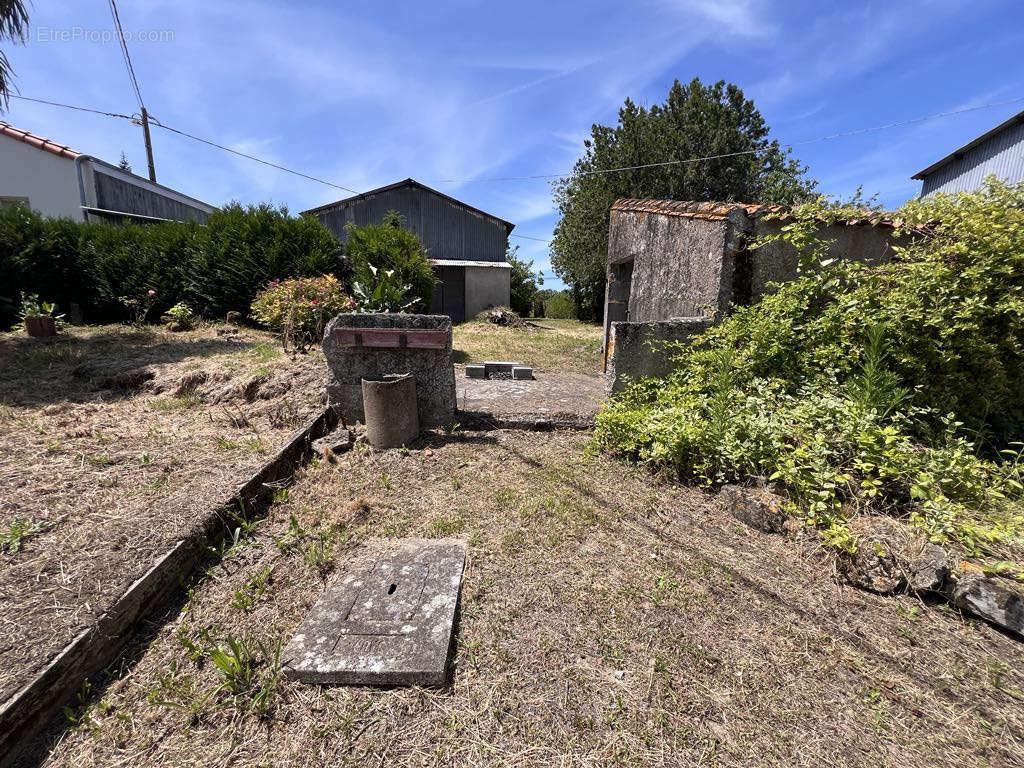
(115, 194)
(448, 230)
(1002, 155)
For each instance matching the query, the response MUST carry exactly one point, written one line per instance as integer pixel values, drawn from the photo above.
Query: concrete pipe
(389, 407)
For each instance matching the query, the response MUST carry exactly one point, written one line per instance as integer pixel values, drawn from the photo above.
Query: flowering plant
(138, 306)
(299, 308)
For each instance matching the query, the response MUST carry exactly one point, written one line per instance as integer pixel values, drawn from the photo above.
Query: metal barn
(999, 152)
(466, 245)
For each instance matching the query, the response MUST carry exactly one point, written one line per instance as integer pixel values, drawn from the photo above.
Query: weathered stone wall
(680, 265)
(433, 368)
(637, 350)
(777, 262)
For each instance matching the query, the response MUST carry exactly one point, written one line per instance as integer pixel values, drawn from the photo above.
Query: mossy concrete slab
(388, 621)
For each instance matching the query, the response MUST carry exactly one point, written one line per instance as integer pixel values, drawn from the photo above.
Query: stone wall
(349, 363)
(636, 350)
(681, 266)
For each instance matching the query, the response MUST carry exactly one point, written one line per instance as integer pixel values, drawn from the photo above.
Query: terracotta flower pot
(41, 327)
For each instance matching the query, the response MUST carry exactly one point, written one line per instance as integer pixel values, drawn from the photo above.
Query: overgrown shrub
(894, 388)
(215, 267)
(560, 306)
(301, 306)
(390, 247)
(523, 283)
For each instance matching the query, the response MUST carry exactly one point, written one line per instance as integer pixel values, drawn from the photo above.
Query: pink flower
(152, 292)
(314, 302)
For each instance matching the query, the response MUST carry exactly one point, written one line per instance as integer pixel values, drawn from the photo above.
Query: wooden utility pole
(149, 145)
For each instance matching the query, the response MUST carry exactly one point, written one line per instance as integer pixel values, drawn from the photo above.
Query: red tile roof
(6, 129)
(718, 211)
(691, 210)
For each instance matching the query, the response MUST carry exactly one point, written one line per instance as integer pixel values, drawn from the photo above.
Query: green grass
(566, 345)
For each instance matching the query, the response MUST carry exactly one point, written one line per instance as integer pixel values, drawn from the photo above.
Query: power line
(124, 51)
(72, 106)
(253, 157)
(830, 137)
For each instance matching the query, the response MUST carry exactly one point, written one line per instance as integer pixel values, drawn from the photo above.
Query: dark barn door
(450, 293)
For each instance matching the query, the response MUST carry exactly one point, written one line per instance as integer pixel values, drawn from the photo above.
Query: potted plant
(40, 322)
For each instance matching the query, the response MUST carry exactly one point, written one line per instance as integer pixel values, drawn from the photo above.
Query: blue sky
(366, 93)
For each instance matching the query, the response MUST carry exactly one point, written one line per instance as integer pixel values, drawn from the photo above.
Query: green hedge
(215, 267)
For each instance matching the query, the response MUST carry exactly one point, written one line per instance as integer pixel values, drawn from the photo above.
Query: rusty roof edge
(721, 211)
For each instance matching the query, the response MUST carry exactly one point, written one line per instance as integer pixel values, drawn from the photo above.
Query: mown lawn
(606, 619)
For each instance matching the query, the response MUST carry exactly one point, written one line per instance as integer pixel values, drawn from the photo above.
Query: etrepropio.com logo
(85, 34)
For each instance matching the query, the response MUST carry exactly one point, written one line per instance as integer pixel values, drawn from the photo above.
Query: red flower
(314, 302)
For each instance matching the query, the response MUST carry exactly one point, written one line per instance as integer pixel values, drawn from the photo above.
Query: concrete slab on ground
(551, 398)
(389, 621)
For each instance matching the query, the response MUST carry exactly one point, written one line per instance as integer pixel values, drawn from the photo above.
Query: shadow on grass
(42, 371)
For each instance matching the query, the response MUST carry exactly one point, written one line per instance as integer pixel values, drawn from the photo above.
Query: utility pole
(149, 145)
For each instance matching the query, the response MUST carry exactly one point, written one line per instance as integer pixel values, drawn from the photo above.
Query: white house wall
(49, 181)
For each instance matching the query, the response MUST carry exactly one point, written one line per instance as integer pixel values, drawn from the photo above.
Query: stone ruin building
(674, 267)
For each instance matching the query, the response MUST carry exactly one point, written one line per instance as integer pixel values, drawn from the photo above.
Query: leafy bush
(524, 283)
(865, 388)
(560, 306)
(215, 267)
(301, 306)
(180, 317)
(383, 292)
(390, 247)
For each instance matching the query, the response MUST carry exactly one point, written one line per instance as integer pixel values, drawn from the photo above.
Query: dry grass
(95, 482)
(566, 345)
(605, 620)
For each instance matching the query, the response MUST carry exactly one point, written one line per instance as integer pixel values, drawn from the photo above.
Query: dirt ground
(113, 442)
(606, 619)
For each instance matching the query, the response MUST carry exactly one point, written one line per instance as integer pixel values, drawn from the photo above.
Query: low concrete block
(522, 372)
(388, 622)
(476, 372)
(366, 346)
(492, 367)
(638, 350)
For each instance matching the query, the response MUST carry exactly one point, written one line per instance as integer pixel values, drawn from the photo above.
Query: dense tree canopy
(696, 120)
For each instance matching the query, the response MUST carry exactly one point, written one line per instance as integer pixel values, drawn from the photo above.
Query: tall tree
(14, 27)
(695, 121)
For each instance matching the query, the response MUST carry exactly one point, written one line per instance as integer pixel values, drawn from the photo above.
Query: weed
(385, 481)
(13, 537)
(265, 352)
(292, 538)
(245, 598)
(446, 525)
(319, 554)
(280, 496)
(98, 460)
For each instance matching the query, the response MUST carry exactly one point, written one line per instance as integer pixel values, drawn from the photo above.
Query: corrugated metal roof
(958, 153)
(61, 150)
(464, 263)
(509, 226)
